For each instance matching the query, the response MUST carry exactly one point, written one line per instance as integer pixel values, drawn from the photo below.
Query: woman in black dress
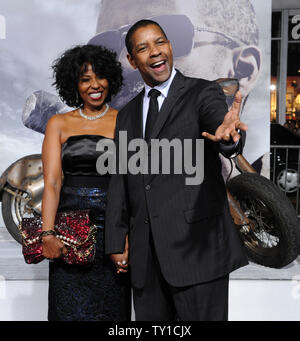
(86, 77)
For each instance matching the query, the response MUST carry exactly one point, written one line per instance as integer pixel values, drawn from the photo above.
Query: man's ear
(246, 66)
(131, 61)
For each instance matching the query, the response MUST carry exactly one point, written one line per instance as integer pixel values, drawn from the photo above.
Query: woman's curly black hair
(69, 67)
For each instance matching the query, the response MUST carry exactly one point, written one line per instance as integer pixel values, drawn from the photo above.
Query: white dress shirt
(164, 89)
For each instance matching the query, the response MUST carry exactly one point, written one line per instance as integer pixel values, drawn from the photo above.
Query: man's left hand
(228, 129)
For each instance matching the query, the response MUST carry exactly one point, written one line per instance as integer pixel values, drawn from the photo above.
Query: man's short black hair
(136, 26)
(74, 62)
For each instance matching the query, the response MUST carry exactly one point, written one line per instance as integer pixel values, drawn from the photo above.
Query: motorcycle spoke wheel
(263, 236)
(272, 237)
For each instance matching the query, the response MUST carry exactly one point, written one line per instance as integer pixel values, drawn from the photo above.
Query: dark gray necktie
(152, 112)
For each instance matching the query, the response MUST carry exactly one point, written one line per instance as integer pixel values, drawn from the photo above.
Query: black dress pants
(159, 301)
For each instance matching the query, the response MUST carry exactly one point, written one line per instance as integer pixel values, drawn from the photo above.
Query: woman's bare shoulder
(68, 115)
(59, 120)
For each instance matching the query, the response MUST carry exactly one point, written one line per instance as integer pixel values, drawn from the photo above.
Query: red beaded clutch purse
(73, 228)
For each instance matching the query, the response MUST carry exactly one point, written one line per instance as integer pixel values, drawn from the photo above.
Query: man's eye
(143, 48)
(84, 79)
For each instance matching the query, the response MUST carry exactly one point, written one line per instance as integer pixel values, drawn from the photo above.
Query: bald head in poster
(210, 40)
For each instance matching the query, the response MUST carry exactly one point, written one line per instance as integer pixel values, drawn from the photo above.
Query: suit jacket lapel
(169, 102)
(137, 119)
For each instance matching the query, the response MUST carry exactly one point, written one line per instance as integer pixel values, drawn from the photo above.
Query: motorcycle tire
(273, 237)
(9, 219)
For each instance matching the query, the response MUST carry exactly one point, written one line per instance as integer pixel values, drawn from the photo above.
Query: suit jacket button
(146, 221)
(148, 187)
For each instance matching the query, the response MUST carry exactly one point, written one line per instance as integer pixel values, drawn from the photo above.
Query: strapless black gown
(94, 292)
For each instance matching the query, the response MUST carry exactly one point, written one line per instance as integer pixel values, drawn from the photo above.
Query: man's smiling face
(151, 54)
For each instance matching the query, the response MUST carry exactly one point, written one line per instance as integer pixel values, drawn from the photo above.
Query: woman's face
(92, 89)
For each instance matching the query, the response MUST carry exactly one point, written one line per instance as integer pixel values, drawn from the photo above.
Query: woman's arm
(52, 169)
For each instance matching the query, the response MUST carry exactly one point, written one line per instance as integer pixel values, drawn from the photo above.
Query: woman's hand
(53, 247)
(121, 259)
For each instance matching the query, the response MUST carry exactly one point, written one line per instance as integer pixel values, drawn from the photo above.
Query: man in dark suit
(182, 240)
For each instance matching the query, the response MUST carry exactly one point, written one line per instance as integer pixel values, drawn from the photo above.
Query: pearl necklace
(92, 118)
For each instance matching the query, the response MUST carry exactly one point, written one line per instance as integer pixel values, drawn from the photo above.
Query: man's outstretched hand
(228, 129)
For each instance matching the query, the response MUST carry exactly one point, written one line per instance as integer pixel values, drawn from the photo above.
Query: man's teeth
(97, 95)
(158, 63)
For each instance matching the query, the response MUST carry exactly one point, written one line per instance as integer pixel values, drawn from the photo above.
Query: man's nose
(154, 51)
